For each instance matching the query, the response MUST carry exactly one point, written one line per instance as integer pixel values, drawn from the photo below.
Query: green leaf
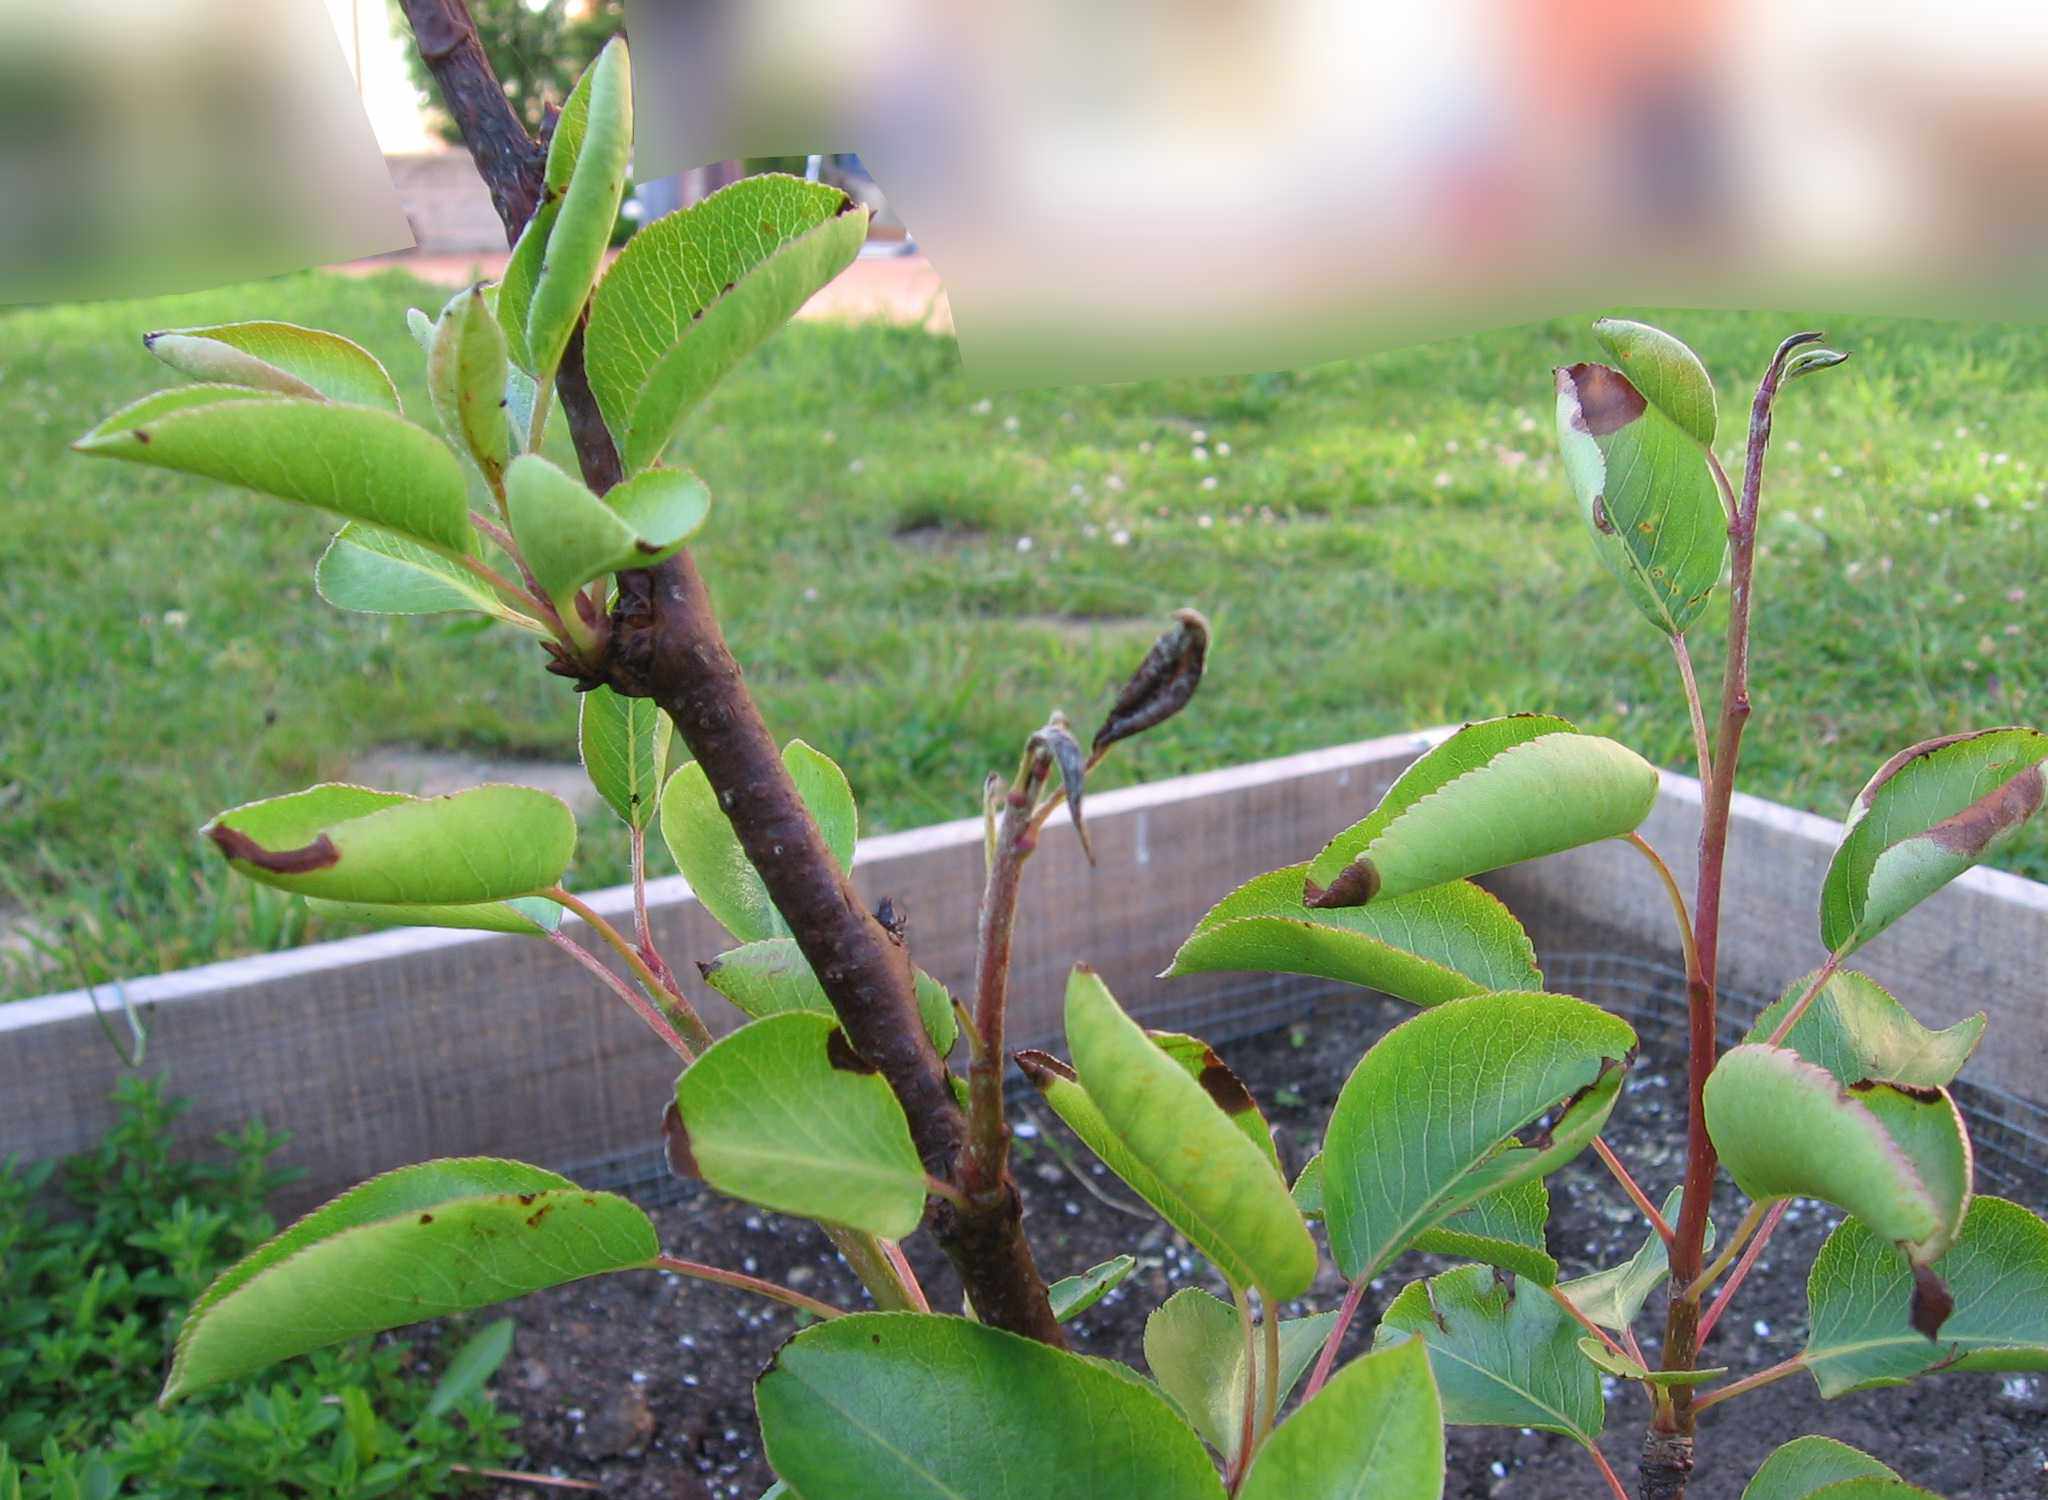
(705, 848)
(625, 742)
(1196, 1350)
(349, 843)
(1418, 1131)
(1493, 794)
(472, 1367)
(1628, 1369)
(1427, 947)
(515, 289)
(566, 144)
(1073, 1295)
(527, 916)
(1657, 517)
(1201, 1062)
(1220, 1189)
(1856, 1030)
(1375, 1431)
(377, 572)
(569, 536)
(590, 210)
(1801, 1468)
(1614, 1297)
(1860, 1299)
(771, 975)
(466, 371)
(1897, 1159)
(1930, 813)
(784, 1113)
(354, 461)
(694, 292)
(1667, 373)
(908, 1406)
(282, 358)
(421, 1242)
(1503, 1356)
(421, 327)
(1504, 1229)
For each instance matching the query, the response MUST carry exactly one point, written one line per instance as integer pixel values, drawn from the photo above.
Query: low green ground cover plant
(92, 1289)
(835, 1100)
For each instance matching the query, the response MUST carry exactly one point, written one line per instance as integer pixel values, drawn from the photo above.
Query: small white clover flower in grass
(1443, 479)
(1011, 424)
(1114, 484)
(1209, 482)
(1120, 538)
(1024, 544)
(982, 407)
(1199, 454)
(1199, 435)
(1223, 450)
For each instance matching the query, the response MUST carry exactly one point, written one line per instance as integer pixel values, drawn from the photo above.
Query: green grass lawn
(913, 576)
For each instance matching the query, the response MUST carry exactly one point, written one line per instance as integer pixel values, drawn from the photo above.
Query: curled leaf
(1057, 740)
(349, 843)
(1808, 361)
(1930, 813)
(466, 368)
(1896, 1158)
(1640, 474)
(282, 358)
(1164, 682)
(1494, 794)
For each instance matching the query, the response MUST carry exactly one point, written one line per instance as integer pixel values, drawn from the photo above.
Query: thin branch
(1634, 1189)
(1687, 943)
(1269, 1391)
(986, 1159)
(1681, 1335)
(1701, 749)
(1327, 1361)
(655, 1020)
(1760, 1379)
(867, 1256)
(1756, 1248)
(1585, 1322)
(1247, 1438)
(670, 999)
(643, 932)
(1752, 1217)
(1721, 483)
(1791, 1017)
(494, 531)
(1606, 1470)
(722, 1277)
(904, 1273)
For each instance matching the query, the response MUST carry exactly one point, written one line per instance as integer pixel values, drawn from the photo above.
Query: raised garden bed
(385, 1049)
(645, 1384)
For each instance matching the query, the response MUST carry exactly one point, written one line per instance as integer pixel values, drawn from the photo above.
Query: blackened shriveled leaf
(1163, 683)
(1057, 740)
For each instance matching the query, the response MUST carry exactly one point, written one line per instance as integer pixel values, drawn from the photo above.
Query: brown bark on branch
(665, 644)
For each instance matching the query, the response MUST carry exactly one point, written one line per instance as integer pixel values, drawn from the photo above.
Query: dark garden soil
(643, 1384)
